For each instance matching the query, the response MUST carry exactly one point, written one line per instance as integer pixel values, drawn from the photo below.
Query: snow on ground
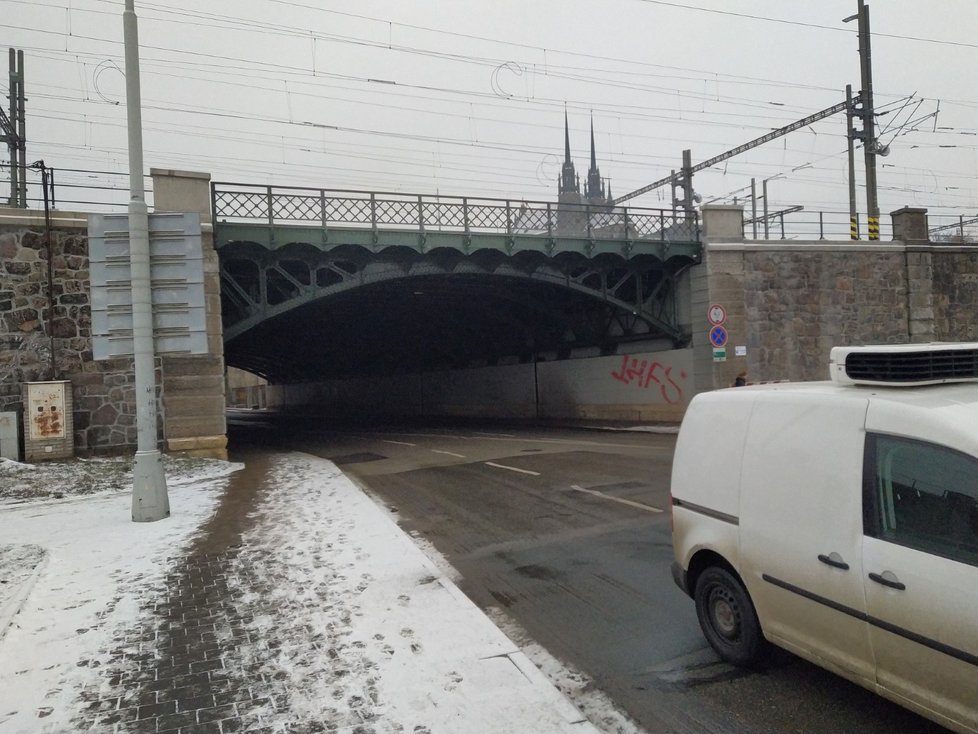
(57, 480)
(335, 614)
(96, 564)
(399, 647)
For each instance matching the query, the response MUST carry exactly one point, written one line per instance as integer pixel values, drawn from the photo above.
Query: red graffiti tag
(640, 373)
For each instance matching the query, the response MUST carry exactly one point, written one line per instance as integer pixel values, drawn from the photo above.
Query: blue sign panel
(718, 336)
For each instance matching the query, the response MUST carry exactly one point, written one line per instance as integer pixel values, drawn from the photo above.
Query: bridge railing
(276, 205)
(802, 224)
(951, 229)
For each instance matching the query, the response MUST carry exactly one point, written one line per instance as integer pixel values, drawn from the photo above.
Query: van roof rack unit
(904, 365)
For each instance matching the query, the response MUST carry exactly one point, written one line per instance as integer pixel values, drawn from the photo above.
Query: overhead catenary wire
(689, 117)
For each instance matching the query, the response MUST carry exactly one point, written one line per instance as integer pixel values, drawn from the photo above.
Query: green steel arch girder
(276, 236)
(639, 289)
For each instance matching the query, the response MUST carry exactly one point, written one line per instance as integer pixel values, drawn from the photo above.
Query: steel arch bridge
(351, 282)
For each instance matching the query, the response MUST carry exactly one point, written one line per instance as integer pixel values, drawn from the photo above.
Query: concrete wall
(506, 391)
(648, 386)
(644, 386)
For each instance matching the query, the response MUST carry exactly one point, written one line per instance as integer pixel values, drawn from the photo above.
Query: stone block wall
(789, 303)
(801, 302)
(103, 393)
(190, 392)
(955, 293)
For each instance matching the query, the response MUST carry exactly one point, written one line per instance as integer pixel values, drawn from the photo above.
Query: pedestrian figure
(741, 379)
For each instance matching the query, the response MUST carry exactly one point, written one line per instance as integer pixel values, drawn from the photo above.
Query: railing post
(373, 218)
(550, 223)
(322, 207)
(421, 233)
(269, 204)
(781, 217)
(821, 225)
(662, 224)
(587, 215)
(465, 214)
(509, 218)
(54, 204)
(213, 202)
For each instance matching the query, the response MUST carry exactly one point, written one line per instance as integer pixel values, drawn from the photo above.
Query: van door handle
(892, 583)
(834, 560)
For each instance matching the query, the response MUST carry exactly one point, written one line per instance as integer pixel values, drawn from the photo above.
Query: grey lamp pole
(149, 497)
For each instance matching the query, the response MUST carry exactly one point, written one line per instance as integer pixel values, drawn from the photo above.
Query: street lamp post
(149, 496)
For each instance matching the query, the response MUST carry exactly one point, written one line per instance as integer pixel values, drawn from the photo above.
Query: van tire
(727, 617)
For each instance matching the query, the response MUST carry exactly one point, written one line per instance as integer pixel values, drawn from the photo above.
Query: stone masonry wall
(800, 304)
(955, 293)
(103, 392)
(788, 303)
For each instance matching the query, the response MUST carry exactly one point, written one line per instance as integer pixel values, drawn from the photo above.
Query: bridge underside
(300, 313)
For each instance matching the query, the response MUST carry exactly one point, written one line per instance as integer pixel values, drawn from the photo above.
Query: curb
(12, 606)
(549, 693)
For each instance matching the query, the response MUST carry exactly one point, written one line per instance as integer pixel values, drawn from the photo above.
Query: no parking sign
(718, 336)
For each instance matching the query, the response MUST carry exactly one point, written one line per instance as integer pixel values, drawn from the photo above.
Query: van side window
(923, 496)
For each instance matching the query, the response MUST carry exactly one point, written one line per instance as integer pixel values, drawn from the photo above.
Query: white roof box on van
(904, 365)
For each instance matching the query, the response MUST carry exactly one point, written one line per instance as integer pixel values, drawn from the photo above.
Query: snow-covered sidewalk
(296, 606)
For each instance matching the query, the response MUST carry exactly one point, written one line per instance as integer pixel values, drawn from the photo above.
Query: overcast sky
(467, 97)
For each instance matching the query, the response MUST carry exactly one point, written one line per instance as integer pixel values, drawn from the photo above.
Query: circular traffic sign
(717, 314)
(718, 336)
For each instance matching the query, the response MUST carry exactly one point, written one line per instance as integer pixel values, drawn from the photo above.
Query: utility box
(9, 441)
(48, 425)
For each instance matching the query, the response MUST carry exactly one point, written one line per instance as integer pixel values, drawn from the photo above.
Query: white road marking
(602, 495)
(399, 443)
(554, 441)
(513, 468)
(449, 453)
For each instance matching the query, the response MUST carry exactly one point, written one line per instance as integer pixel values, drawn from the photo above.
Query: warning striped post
(873, 225)
(853, 228)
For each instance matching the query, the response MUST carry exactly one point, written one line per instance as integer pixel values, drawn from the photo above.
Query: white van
(839, 520)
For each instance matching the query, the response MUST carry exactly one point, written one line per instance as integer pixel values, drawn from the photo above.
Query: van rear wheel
(727, 617)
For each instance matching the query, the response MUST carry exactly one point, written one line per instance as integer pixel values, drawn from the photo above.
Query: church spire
(568, 178)
(594, 189)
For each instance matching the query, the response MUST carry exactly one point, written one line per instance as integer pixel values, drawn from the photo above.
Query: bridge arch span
(298, 312)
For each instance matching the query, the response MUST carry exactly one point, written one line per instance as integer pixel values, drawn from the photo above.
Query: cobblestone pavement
(298, 606)
(197, 662)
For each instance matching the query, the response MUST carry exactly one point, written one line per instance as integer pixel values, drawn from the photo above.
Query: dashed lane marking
(399, 443)
(449, 453)
(513, 468)
(630, 503)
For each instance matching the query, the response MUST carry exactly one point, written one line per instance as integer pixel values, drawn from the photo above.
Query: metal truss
(613, 300)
